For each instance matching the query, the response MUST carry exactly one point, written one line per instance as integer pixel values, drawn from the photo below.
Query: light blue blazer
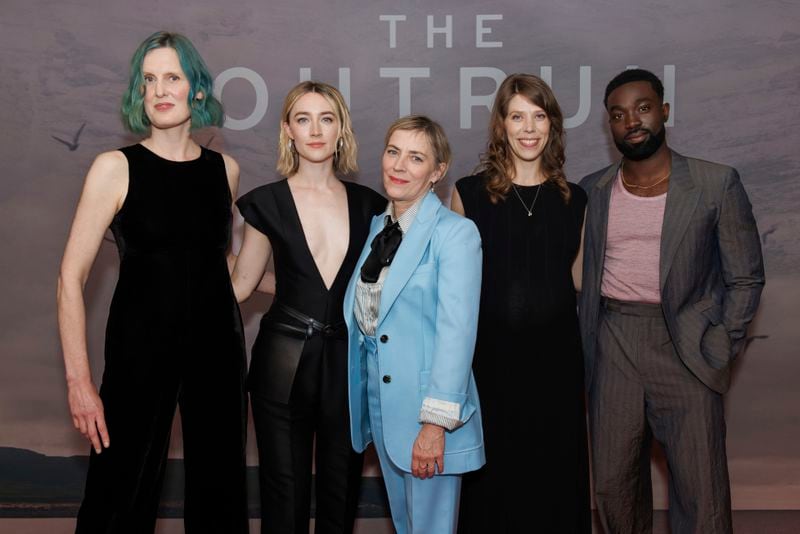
(429, 315)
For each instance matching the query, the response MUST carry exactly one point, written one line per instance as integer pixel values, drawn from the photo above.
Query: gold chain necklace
(636, 186)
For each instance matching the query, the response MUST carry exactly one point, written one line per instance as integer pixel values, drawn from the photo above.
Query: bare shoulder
(232, 173)
(231, 166)
(109, 171)
(112, 162)
(106, 182)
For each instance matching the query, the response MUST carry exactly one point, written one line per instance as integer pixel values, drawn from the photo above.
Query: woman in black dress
(315, 225)
(528, 363)
(174, 334)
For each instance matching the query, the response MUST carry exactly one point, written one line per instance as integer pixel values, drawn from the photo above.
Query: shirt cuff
(440, 412)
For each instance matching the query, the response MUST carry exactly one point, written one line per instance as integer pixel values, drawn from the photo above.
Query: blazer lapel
(597, 225)
(409, 253)
(682, 198)
(350, 294)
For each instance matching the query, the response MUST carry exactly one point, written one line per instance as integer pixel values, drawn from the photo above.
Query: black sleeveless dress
(528, 366)
(298, 369)
(174, 336)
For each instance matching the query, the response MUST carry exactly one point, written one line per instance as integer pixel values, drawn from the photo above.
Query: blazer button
(384, 338)
(387, 379)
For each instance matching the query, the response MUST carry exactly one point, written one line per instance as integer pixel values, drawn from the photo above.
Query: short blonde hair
(345, 160)
(432, 130)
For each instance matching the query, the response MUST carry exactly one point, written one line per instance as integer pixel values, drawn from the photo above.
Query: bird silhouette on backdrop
(71, 145)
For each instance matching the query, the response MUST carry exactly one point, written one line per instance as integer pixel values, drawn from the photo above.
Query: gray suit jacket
(711, 271)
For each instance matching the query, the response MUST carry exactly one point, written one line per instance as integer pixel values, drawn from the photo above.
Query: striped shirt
(368, 296)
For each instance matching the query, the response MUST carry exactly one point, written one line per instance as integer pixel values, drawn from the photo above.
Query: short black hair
(634, 75)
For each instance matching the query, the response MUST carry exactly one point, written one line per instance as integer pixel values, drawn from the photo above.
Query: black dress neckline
(350, 238)
(172, 161)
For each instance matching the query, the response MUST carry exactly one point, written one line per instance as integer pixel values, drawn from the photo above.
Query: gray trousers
(640, 390)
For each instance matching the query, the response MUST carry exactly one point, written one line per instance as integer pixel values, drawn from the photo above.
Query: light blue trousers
(427, 506)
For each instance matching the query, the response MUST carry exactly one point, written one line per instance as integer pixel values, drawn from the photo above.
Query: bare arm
(251, 262)
(232, 171)
(577, 263)
(455, 202)
(103, 193)
(267, 283)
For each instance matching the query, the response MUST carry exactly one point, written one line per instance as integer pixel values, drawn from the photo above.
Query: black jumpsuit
(298, 372)
(174, 336)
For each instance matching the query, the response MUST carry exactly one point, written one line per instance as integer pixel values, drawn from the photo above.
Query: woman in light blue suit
(411, 311)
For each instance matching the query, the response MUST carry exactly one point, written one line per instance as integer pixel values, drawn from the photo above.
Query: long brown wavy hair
(497, 163)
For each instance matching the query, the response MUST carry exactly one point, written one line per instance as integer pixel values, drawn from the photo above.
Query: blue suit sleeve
(459, 284)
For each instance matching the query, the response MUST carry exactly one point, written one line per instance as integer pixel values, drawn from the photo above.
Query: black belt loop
(312, 326)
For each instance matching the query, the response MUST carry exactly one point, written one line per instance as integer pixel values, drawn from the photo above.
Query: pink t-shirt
(633, 246)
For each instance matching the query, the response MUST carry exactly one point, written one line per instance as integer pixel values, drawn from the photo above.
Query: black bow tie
(384, 247)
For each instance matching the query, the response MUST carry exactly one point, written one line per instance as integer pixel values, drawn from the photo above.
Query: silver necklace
(529, 210)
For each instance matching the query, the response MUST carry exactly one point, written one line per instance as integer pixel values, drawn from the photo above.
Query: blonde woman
(412, 311)
(315, 225)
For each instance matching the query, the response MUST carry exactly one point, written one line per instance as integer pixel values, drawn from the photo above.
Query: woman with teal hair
(174, 334)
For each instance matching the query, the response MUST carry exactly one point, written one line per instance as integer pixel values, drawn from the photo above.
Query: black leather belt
(311, 327)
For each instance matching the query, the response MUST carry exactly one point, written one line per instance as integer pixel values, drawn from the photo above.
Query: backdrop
(730, 68)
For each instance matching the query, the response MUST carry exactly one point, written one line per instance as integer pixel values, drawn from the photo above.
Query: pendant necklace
(529, 210)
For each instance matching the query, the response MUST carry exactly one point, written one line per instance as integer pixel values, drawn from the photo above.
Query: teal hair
(205, 112)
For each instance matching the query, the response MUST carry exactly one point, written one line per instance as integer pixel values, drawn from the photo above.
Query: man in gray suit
(672, 275)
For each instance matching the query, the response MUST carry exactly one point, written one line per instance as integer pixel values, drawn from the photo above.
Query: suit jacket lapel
(410, 252)
(350, 294)
(682, 198)
(597, 225)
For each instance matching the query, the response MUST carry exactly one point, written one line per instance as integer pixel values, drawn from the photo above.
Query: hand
(86, 408)
(428, 451)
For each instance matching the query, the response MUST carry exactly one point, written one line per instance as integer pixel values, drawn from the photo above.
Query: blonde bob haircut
(432, 130)
(345, 159)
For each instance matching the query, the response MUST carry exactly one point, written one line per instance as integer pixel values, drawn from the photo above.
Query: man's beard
(646, 148)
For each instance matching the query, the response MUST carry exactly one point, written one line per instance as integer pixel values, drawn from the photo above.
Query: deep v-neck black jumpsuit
(174, 336)
(298, 381)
